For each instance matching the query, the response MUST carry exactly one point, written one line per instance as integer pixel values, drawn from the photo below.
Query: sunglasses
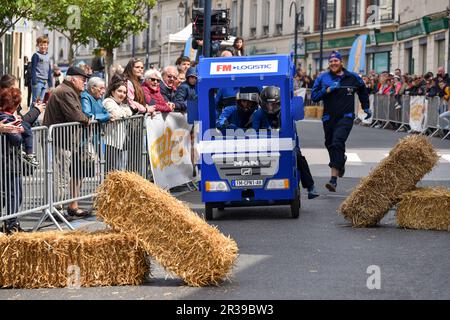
(154, 79)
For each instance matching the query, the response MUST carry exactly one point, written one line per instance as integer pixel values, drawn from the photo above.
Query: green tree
(67, 17)
(115, 21)
(11, 11)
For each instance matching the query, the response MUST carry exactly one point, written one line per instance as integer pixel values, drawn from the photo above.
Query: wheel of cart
(295, 205)
(209, 212)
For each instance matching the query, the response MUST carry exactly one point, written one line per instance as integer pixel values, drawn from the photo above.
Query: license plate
(247, 183)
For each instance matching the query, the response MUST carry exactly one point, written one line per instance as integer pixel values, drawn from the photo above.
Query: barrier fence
(73, 161)
(414, 113)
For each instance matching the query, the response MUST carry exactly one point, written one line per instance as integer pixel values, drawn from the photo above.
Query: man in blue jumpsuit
(268, 117)
(337, 88)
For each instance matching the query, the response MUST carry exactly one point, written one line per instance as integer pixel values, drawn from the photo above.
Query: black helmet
(270, 95)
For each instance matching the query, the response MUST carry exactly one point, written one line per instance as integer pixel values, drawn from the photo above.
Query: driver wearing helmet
(239, 116)
(268, 117)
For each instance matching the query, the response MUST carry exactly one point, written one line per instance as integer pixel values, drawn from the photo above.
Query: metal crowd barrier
(23, 187)
(308, 102)
(385, 113)
(74, 160)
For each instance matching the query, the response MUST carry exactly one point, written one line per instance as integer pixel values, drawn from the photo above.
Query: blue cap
(335, 55)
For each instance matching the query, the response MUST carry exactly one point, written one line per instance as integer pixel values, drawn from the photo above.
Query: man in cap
(336, 88)
(64, 106)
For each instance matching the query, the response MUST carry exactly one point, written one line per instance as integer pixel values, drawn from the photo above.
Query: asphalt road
(319, 255)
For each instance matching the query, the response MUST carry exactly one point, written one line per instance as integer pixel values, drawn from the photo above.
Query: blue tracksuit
(231, 118)
(339, 110)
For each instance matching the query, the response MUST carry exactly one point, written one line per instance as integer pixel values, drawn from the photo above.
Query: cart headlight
(216, 186)
(278, 184)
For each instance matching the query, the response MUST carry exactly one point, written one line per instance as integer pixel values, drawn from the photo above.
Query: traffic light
(220, 24)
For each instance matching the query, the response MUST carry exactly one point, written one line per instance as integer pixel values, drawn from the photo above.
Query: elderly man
(168, 84)
(64, 106)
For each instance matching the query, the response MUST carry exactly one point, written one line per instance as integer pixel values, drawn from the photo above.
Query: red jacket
(154, 97)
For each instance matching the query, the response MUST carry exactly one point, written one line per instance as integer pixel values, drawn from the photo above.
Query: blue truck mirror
(297, 111)
(192, 111)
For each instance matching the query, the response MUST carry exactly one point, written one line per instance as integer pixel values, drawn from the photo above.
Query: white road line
(352, 157)
(446, 157)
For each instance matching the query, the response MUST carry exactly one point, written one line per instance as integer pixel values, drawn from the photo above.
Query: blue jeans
(39, 90)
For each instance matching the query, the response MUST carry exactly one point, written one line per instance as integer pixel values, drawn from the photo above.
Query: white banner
(169, 149)
(360, 114)
(418, 113)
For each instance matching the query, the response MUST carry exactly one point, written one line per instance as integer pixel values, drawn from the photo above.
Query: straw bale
(319, 112)
(310, 112)
(175, 236)
(425, 208)
(408, 162)
(55, 259)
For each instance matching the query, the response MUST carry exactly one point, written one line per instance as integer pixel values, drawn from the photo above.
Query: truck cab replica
(247, 167)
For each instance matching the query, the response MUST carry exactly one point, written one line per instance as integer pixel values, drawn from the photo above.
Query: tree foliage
(11, 11)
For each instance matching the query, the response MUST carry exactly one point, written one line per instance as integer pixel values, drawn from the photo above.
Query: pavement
(319, 255)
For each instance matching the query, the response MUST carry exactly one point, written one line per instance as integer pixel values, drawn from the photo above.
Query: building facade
(407, 34)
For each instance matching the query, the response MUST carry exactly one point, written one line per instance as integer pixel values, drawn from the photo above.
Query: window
(330, 14)
(279, 12)
(381, 61)
(386, 9)
(168, 24)
(253, 18)
(441, 51)
(423, 59)
(409, 60)
(180, 24)
(199, 3)
(234, 18)
(266, 17)
(352, 12)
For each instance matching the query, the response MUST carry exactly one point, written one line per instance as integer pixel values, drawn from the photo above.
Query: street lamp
(298, 22)
(181, 9)
(322, 21)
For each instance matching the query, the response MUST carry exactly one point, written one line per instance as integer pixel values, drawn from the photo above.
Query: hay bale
(310, 111)
(425, 208)
(55, 259)
(319, 112)
(407, 163)
(167, 229)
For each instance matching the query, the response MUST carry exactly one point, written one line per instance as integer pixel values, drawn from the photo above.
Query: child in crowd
(41, 71)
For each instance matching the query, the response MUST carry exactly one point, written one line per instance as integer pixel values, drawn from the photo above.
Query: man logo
(246, 163)
(246, 171)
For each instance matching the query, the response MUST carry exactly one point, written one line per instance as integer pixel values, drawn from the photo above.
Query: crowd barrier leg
(50, 176)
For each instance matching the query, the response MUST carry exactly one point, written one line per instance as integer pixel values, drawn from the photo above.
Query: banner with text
(169, 149)
(418, 113)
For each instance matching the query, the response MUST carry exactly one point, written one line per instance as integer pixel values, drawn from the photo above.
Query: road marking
(352, 157)
(446, 157)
